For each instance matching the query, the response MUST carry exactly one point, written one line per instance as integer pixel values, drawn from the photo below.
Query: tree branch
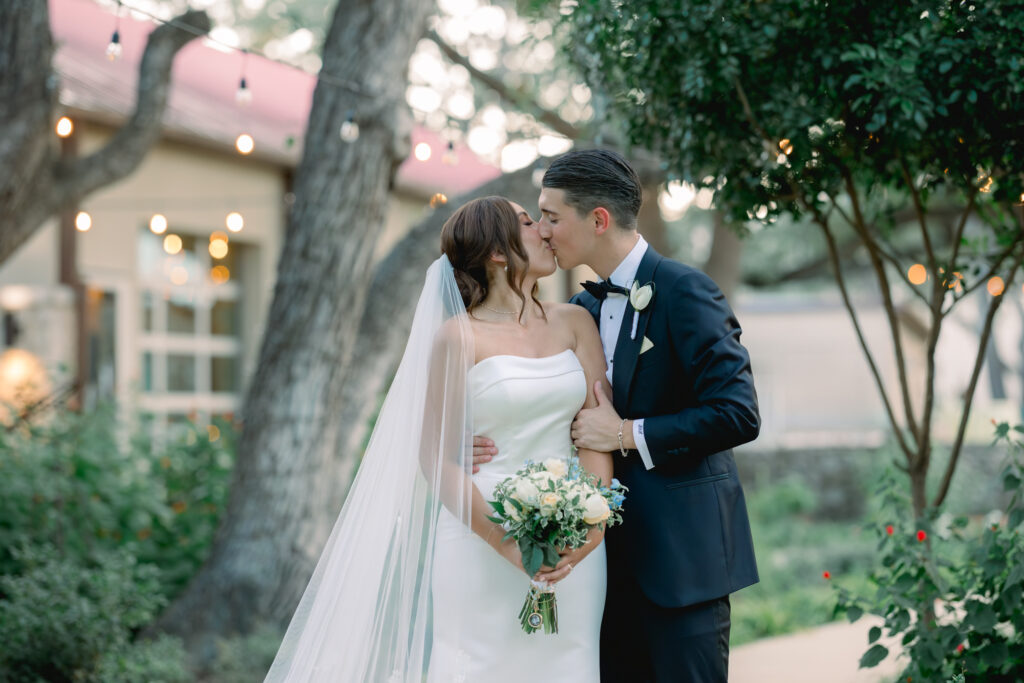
(860, 226)
(125, 151)
(920, 213)
(986, 332)
(45, 183)
(514, 97)
(840, 280)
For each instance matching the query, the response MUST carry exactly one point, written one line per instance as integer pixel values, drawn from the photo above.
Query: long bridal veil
(365, 615)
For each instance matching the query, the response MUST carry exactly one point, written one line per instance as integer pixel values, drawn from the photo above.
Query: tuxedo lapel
(627, 350)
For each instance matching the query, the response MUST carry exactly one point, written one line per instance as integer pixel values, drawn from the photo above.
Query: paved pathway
(828, 653)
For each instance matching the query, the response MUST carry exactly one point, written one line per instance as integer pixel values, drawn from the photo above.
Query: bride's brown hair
(478, 229)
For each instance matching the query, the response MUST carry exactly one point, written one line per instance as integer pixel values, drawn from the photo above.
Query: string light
(450, 157)
(172, 244)
(438, 199)
(995, 285)
(785, 146)
(234, 221)
(158, 224)
(243, 95)
(349, 129)
(917, 274)
(83, 221)
(219, 274)
(422, 151)
(114, 47)
(218, 248)
(65, 127)
(179, 275)
(245, 144)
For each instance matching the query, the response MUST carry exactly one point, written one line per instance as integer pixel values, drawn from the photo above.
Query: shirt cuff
(641, 444)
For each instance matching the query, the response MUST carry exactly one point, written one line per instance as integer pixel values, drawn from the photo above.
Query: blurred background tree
(857, 120)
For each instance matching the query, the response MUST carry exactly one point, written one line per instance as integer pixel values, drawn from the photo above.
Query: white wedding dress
(526, 405)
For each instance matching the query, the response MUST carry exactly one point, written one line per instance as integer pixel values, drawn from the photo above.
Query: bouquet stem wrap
(540, 610)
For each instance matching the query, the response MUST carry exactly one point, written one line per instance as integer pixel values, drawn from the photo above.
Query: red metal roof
(202, 104)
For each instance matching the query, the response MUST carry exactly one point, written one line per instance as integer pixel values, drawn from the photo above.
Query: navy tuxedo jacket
(685, 536)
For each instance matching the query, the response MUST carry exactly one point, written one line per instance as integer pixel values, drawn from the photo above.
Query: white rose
(526, 492)
(639, 296)
(557, 466)
(549, 503)
(595, 509)
(541, 479)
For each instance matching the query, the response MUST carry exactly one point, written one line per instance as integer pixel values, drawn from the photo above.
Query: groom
(683, 397)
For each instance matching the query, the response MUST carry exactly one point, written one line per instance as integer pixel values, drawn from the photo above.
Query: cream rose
(557, 466)
(595, 509)
(549, 503)
(526, 492)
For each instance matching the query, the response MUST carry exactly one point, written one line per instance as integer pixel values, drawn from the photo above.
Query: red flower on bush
(888, 529)
(960, 647)
(921, 535)
(826, 575)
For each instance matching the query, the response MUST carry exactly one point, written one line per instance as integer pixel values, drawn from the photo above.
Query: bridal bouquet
(547, 506)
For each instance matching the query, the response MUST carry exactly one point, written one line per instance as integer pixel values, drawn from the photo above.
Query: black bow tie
(601, 290)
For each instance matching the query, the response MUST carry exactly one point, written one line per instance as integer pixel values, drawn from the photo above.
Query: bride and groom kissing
(641, 376)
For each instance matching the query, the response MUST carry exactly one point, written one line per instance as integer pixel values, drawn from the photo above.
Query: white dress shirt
(613, 308)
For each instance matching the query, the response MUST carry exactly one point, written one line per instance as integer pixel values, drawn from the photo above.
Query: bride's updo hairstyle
(478, 229)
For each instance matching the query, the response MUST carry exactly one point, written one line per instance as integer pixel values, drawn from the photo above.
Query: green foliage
(843, 92)
(68, 620)
(951, 592)
(74, 484)
(98, 529)
(793, 548)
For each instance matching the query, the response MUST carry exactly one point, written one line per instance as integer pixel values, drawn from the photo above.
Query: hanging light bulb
(83, 221)
(438, 199)
(114, 48)
(234, 221)
(245, 144)
(65, 127)
(422, 151)
(349, 129)
(243, 95)
(450, 157)
(158, 224)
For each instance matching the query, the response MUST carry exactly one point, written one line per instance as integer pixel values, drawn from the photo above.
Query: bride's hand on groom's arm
(483, 450)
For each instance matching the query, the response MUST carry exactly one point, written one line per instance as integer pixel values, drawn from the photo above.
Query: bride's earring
(506, 267)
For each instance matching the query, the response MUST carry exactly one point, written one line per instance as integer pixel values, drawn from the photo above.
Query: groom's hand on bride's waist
(483, 450)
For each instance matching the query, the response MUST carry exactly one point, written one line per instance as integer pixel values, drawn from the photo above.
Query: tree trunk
(723, 264)
(280, 509)
(35, 183)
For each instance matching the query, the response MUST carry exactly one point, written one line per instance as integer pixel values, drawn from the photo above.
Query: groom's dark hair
(597, 177)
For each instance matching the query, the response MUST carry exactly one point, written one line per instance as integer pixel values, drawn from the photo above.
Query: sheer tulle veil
(366, 613)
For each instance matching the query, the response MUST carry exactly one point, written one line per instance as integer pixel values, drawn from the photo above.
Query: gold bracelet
(622, 447)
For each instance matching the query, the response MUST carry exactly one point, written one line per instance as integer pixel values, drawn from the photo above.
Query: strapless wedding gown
(526, 406)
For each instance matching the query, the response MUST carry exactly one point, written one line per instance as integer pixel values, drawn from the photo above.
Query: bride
(415, 582)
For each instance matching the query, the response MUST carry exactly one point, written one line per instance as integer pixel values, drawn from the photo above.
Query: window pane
(224, 317)
(181, 315)
(224, 373)
(181, 373)
(148, 305)
(147, 371)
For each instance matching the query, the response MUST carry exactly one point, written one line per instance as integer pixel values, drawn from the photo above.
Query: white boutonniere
(639, 298)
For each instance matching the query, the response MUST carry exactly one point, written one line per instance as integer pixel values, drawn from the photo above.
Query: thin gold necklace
(495, 310)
